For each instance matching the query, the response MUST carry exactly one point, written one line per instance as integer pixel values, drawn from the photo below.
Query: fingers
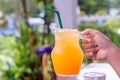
(89, 45)
(94, 50)
(88, 32)
(94, 43)
(86, 40)
(91, 52)
(89, 55)
(98, 37)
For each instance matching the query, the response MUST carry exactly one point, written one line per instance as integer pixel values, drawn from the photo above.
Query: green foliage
(27, 62)
(36, 6)
(92, 6)
(19, 52)
(101, 12)
(7, 51)
(6, 6)
(115, 3)
(113, 23)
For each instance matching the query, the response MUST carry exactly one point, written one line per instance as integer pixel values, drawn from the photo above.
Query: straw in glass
(58, 15)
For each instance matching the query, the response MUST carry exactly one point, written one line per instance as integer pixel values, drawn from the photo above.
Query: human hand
(96, 45)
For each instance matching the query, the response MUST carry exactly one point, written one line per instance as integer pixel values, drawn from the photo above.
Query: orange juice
(67, 55)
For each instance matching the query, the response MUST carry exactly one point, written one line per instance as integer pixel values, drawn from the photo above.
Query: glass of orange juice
(67, 55)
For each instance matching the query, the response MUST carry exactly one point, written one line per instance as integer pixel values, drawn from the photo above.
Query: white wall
(67, 9)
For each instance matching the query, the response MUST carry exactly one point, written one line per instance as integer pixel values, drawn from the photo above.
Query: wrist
(114, 58)
(113, 54)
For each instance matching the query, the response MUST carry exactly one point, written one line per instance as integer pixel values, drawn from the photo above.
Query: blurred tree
(115, 3)
(6, 6)
(48, 19)
(101, 12)
(113, 23)
(25, 12)
(92, 6)
(9, 6)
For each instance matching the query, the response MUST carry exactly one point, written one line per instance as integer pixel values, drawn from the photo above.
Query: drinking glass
(67, 56)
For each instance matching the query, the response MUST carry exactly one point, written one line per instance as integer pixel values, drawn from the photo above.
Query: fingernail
(89, 40)
(91, 53)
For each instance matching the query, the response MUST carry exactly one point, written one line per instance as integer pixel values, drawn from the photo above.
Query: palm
(101, 54)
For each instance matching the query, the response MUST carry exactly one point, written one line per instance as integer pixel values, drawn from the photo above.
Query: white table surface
(94, 67)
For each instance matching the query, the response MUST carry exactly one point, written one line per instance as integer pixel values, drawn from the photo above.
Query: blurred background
(26, 39)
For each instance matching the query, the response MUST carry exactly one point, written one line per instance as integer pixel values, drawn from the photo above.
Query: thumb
(87, 32)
